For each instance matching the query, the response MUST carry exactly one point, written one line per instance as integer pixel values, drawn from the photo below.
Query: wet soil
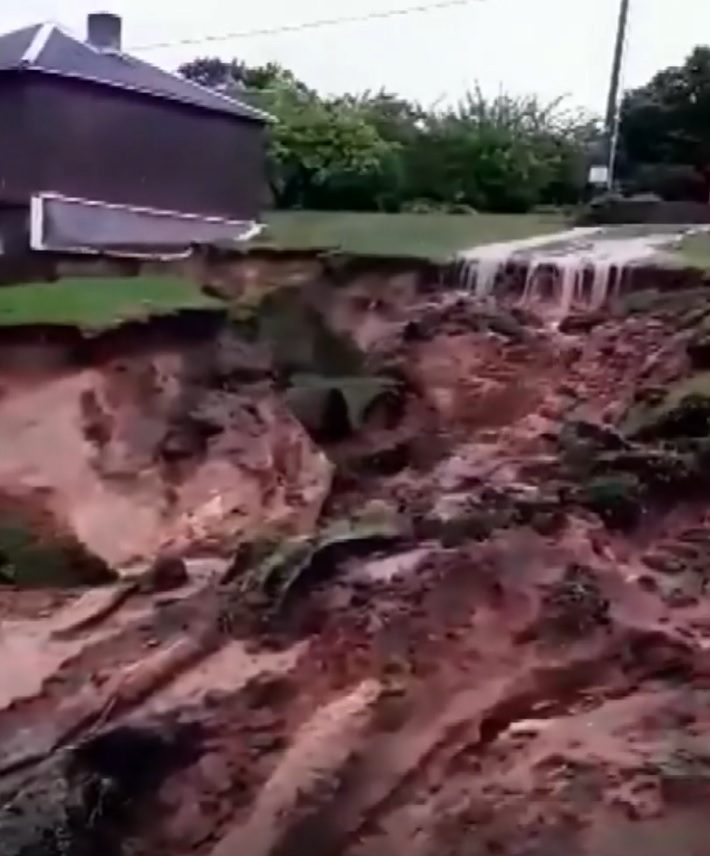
(510, 674)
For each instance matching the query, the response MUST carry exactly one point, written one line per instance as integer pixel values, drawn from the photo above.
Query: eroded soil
(492, 638)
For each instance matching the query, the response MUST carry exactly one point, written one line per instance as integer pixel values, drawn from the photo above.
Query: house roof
(49, 49)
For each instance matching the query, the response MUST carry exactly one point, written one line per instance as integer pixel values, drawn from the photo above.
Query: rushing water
(577, 269)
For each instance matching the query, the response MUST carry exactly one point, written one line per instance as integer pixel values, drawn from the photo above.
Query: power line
(308, 25)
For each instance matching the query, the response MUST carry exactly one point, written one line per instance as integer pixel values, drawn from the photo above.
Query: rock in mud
(582, 323)
(574, 606)
(593, 436)
(168, 572)
(617, 499)
(699, 351)
(683, 411)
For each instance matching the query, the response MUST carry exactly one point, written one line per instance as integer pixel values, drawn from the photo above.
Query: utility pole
(611, 128)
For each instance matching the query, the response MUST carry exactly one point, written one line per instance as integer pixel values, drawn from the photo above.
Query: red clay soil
(512, 675)
(146, 439)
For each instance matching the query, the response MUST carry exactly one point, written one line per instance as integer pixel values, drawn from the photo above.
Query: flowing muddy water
(579, 268)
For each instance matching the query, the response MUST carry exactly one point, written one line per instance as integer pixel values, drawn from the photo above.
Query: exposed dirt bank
(494, 639)
(155, 436)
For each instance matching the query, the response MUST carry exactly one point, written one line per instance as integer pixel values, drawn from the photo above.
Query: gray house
(101, 151)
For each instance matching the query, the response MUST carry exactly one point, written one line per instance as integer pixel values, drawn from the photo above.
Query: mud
(149, 438)
(495, 639)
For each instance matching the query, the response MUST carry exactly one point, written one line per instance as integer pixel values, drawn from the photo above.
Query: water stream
(574, 270)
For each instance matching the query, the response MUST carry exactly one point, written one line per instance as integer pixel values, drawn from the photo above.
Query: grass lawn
(431, 236)
(96, 302)
(695, 251)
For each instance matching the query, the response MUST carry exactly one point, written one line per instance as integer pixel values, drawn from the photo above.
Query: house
(101, 151)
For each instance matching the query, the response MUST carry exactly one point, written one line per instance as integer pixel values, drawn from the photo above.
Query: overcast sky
(547, 47)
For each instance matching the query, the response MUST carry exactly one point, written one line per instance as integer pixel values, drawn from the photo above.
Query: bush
(672, 182)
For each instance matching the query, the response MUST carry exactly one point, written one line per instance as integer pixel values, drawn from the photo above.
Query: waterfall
(587, 255)
(568, 274)
(530, 280)
(487, 272)
(600, 284)
(571, 276)
(482, 266)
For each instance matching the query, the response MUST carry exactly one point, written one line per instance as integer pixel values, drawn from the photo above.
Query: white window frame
(247, 229)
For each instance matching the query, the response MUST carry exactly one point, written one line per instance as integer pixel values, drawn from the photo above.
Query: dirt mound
(179, 444)
(491, 637)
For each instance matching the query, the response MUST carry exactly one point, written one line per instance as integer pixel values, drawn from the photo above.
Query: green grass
(97, 302)
(695, 251)
(430, 236)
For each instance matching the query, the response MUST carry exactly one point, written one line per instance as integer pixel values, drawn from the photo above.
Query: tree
(213, 72)
(500, 154)
(379, 151)
(270, 76)
(325, 155)
(667, 122)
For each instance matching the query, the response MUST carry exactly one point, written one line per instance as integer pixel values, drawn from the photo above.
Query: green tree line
(665, 132)
(377, 151)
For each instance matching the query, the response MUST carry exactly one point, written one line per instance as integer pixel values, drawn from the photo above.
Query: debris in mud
(84, 801)
(332, 408)
(296, 566)
(574, 606)
(464, 316)
(699, 350)
(138, 757)
(617, 499)
(387, 461)
(167, 573)
(620, 479)
(580, 323)
(683, 412)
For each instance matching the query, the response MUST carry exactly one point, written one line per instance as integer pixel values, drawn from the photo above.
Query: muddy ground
(432, 579)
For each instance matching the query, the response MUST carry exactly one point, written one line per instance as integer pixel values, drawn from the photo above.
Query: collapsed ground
(431, 578)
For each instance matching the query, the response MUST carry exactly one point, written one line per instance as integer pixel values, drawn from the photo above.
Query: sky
(550, 48)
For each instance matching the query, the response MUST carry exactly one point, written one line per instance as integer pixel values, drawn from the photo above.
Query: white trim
(37, 225)
(139, 209)
(38, 44)
(254, 230)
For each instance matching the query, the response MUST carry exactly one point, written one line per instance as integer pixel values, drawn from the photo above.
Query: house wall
(15, 155)
(89, 141)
